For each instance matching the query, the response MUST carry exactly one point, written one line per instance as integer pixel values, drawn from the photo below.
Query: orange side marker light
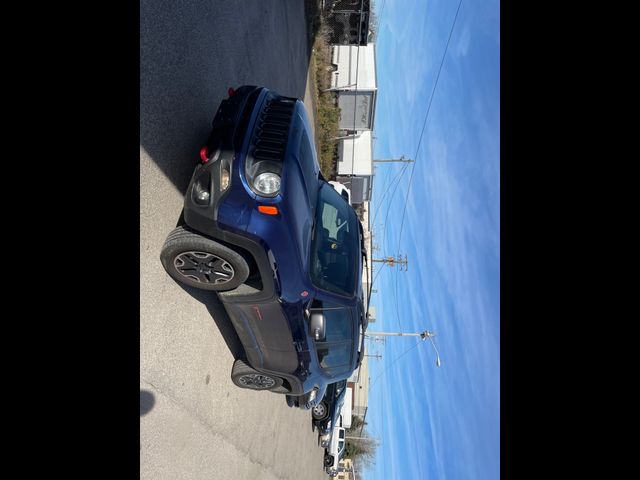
(268, 209)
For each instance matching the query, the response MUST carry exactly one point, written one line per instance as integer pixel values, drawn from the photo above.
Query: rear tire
(243, 376)
(328, 460)
(201, 262)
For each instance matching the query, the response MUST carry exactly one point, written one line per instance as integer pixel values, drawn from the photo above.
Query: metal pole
(426, 334)
(393, 160)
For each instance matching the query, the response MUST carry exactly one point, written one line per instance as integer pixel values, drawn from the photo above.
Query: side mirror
(317, 326)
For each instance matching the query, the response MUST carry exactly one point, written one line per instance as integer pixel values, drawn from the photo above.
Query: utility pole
(392, 262)
(399, 160)
(375, 339)
(378, 356)
(423, 335)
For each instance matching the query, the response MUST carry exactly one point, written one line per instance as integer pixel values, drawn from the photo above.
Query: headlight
(312, 395)
(264, 177)
(267, 183)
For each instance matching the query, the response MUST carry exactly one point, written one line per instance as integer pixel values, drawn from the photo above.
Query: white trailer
(345, 413)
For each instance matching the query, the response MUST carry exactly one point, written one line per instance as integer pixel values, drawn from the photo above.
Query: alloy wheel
(203, 267)
(256, 381)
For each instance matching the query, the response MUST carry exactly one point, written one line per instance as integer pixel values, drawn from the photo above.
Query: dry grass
(328, 113)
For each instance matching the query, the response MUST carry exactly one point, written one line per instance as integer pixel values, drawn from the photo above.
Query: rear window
(335, 351)
(332, 355)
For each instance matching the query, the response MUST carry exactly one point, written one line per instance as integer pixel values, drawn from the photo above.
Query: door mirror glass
(318, 327)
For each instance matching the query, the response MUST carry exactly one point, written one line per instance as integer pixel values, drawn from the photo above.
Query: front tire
(243, 376)
(320, 411)
(328, 460)
(201, 262)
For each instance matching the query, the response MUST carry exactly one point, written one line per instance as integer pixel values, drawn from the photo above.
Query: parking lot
(194, 423)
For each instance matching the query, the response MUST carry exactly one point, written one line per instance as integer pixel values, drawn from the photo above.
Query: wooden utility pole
(392, 262)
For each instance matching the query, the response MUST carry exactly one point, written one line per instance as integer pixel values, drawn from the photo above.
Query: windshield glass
(335, 245)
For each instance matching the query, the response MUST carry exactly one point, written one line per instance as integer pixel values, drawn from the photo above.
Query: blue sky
(438, 423)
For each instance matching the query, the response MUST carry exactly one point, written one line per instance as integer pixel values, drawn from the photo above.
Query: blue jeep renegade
(285, 251)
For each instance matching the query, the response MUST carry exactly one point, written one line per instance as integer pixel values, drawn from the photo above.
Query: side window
(335, 245)
(338, 321)
(336, 349)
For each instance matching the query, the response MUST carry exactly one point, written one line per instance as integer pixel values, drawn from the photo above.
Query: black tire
(243, 376)
(201, 262)
(323, 415)
(328, 460)
(291, 401)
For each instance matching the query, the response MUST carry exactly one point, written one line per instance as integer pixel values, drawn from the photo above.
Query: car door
(335, 350)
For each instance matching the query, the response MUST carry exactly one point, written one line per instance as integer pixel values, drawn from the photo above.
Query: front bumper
(324, 440)
(232, 122)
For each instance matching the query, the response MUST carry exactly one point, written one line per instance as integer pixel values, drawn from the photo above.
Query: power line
(427, 116)
(384, 3)
(392, 364)
(406, 166)
(397, 177)
(435, 85)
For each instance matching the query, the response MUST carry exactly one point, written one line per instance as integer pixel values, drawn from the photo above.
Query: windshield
(335, 244)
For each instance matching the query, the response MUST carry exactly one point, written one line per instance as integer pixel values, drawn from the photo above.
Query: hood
(300, 182)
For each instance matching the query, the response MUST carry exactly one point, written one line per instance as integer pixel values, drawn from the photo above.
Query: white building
(357, 87)
(355, 83)
(355, 166)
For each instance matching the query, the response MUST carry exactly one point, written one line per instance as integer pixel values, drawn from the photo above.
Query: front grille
(243, 121)
(272, 129)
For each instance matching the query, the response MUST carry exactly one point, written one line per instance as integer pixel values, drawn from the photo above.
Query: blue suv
(284, 251)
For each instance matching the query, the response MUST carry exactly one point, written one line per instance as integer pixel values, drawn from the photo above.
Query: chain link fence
(347, 21)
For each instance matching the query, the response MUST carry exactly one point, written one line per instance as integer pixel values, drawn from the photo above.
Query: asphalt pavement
(194, 423)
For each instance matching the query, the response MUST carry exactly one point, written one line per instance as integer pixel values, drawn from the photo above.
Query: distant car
(261, 226)
(335, 451)
(325, 414)
(308, 400)
(342, 190)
